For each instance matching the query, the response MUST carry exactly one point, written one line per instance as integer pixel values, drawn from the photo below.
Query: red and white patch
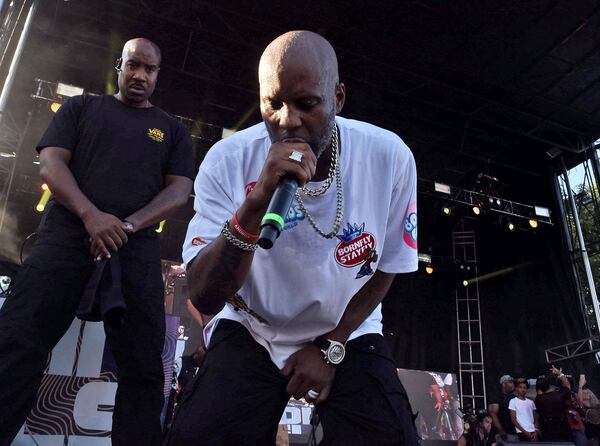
(249, 187)
(198, 241)
(355, 251)
(410, 226)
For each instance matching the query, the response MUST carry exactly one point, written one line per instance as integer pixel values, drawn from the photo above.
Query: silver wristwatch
(333, 351)
(128, 226)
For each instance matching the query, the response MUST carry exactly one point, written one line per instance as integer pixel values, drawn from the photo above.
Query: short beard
(325, 139)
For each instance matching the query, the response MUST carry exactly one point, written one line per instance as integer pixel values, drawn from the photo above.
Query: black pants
(41, 307)
(239, 395)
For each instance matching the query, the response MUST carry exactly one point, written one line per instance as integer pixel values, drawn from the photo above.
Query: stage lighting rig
(66, 90)
(479, 203)
(55, 93)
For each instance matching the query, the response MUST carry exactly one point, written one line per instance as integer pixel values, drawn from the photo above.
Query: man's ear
(340, 97)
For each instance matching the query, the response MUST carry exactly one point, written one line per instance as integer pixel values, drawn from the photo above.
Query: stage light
(510, 226)
(446, 210)
(429, 269)
(43, 200)
(68, 90)
(45, 186)
(425, 258)
(476, 210)
(533, 223)
(227, 132)
(465, 283)
(542, 212)
(443, 188)
(55, 106)
(161, 226)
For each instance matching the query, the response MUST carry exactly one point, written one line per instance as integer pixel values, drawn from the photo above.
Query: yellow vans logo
(156, 135)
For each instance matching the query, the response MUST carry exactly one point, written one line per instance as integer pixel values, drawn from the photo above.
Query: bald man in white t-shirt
(302, 319)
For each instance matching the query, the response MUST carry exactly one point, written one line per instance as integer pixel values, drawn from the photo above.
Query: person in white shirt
(524, 415)
(303, 318)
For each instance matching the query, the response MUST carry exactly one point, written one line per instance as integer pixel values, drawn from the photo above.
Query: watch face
(336, 353)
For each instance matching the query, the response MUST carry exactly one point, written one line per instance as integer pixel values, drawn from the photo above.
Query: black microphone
(274, 220)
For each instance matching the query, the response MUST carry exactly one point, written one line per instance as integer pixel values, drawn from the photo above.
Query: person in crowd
(482, 429)
(591, 405)
(116, 165)
(498, 410)
(551, 407)
(523, 414)
(575, 412)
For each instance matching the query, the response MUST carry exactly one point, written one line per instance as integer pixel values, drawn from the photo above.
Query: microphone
(274, 220)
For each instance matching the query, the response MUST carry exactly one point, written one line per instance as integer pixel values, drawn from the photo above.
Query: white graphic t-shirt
(299, 289)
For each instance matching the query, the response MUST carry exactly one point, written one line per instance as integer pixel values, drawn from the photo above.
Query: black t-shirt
(120, 154)
(552, 404)
(504, 413)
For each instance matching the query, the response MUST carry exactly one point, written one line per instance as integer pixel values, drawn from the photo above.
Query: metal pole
(13, 168)
(596, 165)
(569, 241)
(582, 248)
(10, 77)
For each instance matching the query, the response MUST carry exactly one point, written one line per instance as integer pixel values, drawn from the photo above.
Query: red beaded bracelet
(251, 238)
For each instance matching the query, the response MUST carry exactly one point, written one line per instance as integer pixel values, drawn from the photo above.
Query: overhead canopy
(464, 83)
(471, 86)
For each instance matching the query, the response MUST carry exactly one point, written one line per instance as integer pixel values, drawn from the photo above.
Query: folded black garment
(103, 296)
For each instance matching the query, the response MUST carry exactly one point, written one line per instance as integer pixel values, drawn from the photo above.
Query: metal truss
(201, 130)
(573, 350)
(468, 321)
(486, 202)
(485, 118)
(582, 242)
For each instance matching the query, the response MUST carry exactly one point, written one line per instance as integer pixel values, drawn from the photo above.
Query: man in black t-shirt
(116, 166)
(498, 409)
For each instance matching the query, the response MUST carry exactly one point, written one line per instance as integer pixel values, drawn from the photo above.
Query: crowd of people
(551, 409)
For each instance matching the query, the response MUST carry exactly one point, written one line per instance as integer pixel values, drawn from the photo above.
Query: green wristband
(274, 217)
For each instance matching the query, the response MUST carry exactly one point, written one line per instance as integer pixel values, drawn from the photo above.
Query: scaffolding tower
(468, 321)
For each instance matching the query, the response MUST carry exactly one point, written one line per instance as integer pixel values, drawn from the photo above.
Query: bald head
(140, 44)
(299, 48)
(138, 72)
(300, 92)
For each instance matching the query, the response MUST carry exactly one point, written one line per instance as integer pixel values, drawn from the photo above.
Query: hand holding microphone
(291, 163)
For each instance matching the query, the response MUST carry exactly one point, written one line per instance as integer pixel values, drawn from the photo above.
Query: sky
(577, 174)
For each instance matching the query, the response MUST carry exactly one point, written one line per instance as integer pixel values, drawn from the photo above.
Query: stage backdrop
(77, 394)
